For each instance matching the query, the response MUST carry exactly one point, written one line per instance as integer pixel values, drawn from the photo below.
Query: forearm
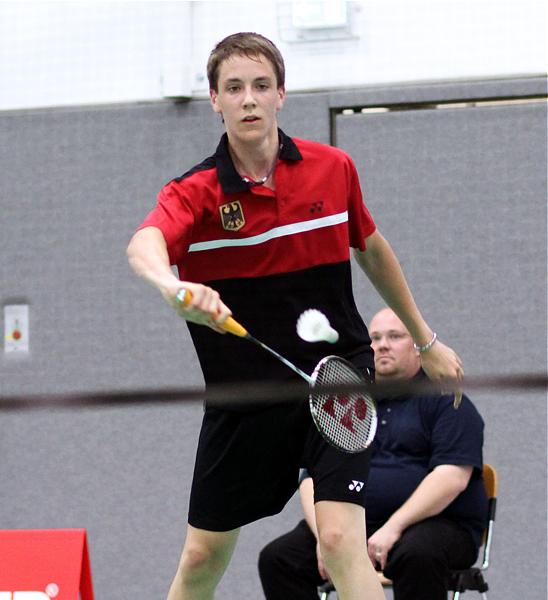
(435, 492)
(383, 269)
(148, 257)
(306, 492)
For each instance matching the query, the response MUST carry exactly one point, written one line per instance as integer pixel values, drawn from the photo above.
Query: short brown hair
(246, 44)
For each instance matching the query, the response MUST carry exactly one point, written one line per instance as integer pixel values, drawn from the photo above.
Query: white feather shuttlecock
(313, 326)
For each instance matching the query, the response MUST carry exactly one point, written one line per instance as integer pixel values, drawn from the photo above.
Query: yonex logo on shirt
(355, 485)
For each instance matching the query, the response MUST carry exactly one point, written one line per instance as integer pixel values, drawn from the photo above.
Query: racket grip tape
(230, 325)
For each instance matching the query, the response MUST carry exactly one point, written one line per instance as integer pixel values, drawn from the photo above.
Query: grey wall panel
(461, 195)
(442, 91)
(306, 116)
(124, 476)
(74, 183)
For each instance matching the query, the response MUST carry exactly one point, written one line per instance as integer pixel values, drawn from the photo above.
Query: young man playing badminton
(263, 228)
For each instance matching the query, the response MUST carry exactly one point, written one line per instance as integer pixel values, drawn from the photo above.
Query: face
(395, 355)
(248, 98)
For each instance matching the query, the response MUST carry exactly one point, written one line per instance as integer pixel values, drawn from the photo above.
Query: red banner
(45, 564)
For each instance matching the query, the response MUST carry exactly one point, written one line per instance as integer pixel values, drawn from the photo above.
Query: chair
(467, 579)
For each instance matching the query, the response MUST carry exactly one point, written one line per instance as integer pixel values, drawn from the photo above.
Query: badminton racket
(348, 421)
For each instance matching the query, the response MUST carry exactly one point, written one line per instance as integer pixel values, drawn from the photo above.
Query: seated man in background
(426, 506)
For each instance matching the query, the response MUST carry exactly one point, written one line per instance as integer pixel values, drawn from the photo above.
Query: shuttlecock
(313, 326)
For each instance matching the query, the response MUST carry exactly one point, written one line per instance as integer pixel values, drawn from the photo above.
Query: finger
(322, 571)
(215, 327)
(211, 303)
(223, 313)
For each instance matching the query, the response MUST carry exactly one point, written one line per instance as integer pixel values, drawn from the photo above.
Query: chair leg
(456, 595)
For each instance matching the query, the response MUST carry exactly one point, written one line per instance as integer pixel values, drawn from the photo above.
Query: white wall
(71, 53)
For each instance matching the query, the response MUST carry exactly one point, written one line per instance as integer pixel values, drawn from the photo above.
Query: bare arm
(435, 492)
(148, 257)
(383, 269)
(306, 492)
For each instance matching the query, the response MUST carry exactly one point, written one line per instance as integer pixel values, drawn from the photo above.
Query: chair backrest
(490, 481)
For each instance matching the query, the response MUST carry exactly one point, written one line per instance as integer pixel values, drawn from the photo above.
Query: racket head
(348, 421)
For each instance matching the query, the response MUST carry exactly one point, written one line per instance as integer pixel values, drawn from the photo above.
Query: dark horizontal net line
(267, 392)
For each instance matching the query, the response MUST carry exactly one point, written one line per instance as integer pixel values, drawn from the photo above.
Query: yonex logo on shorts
(356, 485)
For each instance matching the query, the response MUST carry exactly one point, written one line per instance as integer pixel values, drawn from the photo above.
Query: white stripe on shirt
(276, 232)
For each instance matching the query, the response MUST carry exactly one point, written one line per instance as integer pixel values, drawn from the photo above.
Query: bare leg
(205, 556)
(341, 530)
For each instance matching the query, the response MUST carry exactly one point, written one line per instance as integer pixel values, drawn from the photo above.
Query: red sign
(45, 564)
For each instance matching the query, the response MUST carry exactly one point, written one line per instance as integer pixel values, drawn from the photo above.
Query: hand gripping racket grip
(230, 325)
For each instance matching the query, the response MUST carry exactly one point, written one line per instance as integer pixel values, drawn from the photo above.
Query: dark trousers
(418, 563)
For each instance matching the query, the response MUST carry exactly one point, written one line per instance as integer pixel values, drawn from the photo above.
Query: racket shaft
(230, 325)
(281, 358)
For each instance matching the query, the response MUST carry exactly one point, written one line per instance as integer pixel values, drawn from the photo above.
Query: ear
(281, 98)
(213, 96)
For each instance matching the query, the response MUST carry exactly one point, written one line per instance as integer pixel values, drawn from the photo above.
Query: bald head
(395, 354)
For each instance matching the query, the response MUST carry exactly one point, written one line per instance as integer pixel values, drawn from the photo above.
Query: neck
(397, 377)
(255, 163)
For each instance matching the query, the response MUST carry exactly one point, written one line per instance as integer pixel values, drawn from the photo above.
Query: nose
(380, 342)
(249, 99)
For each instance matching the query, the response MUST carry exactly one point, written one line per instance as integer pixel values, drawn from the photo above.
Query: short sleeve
(457, 434)
(303, 474)
(174, 217)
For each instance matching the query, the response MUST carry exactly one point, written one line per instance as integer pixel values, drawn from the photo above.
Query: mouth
(250, 119)
(384, 357)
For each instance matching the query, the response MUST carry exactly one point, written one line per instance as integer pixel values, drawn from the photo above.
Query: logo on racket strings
(350, 409)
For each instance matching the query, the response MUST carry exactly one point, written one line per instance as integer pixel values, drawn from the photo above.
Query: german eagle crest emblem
(232, 216)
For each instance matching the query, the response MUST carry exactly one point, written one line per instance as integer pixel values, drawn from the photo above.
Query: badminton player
(264, 228)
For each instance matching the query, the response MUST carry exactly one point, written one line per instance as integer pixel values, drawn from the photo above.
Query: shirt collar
(230, 179)
(419, 376)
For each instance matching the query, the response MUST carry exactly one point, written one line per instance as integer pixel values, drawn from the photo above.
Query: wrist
(425, 347)
(395, 525)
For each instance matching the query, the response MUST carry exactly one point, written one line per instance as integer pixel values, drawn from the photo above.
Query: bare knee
(196, 557)
(206, 553)
(331, 541)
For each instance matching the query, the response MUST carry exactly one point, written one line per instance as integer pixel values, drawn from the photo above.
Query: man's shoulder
(439, 407)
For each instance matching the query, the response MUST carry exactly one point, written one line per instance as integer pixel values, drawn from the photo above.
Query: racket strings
(349, 420)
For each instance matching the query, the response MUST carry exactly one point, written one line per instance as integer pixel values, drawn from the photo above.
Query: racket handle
(230, 325)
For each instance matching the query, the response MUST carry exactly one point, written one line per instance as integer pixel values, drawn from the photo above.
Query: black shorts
(247, 466)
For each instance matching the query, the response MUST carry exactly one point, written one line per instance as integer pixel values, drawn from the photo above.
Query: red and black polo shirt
(270, 254)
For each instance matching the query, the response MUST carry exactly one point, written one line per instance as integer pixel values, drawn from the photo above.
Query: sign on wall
(45, 564)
